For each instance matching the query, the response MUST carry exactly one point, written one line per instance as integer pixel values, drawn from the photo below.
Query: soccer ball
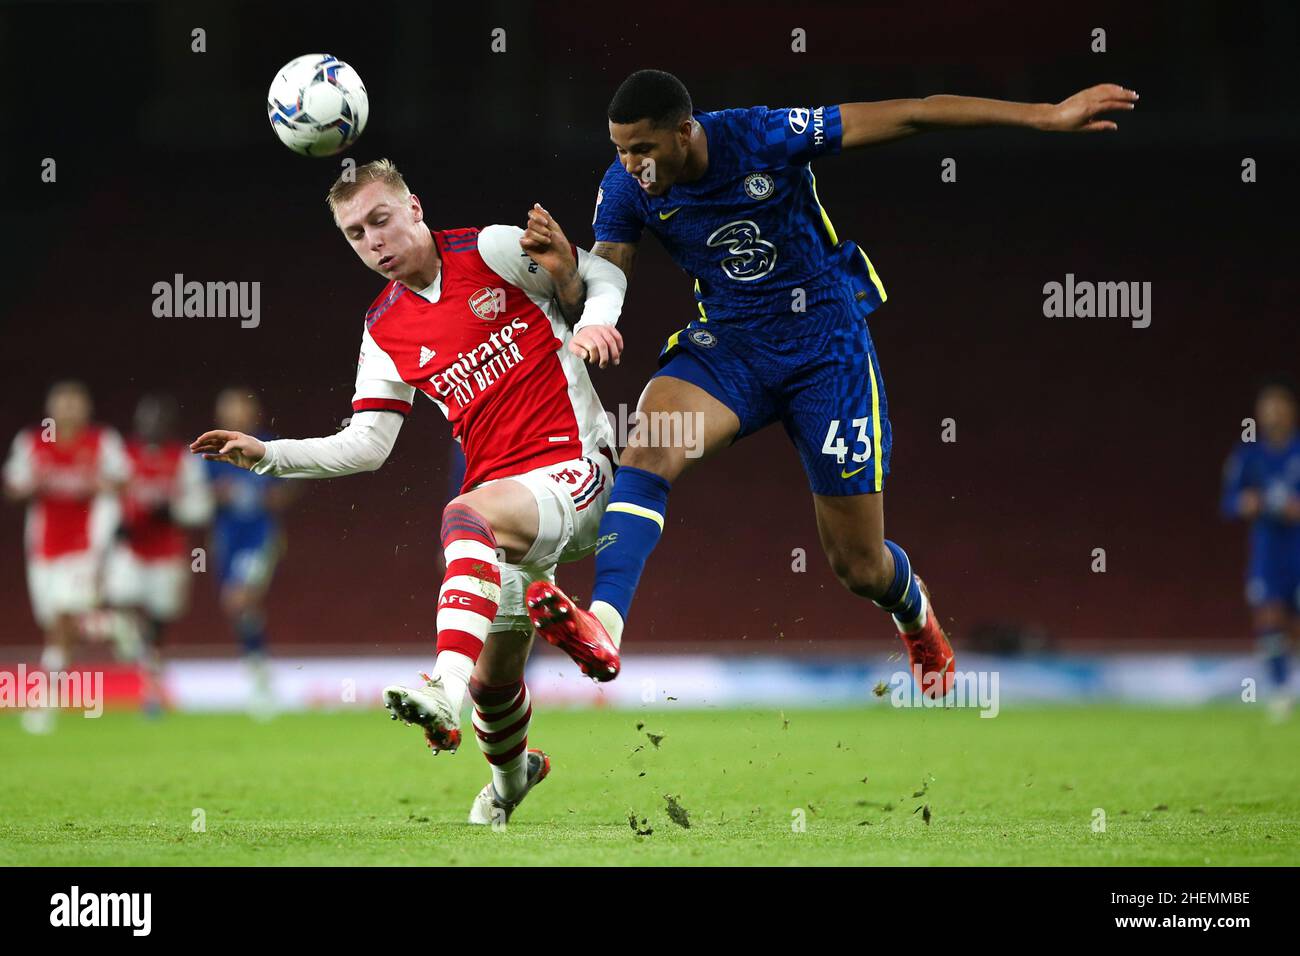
(317, 105)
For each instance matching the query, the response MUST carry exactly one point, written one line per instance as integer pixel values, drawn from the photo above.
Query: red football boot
(930, 653)
(576, 632)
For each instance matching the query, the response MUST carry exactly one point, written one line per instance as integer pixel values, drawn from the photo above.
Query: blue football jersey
(242, 515)
(751, 232)
(1272, 472)
(1273, 565)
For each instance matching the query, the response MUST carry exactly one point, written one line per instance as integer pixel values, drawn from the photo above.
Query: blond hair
(352, 181)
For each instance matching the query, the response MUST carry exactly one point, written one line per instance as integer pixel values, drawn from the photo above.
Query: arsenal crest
(488, 303)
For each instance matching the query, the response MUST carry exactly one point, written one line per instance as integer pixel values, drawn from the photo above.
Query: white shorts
(68, 584)
(159, 586)
(571, 498)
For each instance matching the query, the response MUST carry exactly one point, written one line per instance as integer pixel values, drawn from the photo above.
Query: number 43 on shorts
(835, 445)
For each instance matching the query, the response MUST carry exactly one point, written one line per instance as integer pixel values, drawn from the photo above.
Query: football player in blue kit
(1261, 485)
(780, 333)
(247, 543)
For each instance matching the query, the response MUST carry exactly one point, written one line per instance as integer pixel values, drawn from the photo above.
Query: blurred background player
(479, 320)
(68, 471)
(1261, 485)
(148, 572)
(247, 542)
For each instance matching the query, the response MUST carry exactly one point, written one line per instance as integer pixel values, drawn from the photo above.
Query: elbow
(374, 445)
(375, 460)
(919, 114)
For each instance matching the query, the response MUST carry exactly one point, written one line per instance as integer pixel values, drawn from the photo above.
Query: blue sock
(251, 629)
(629, 531)
(903, 598)
(1273, 645)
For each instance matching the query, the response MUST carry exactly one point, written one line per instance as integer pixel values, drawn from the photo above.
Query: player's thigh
(586, 506)
(567, 498)
(510, 509)
(248, 575)
(63, 586)
(38, 591)
(1269, 590)
(124, 584)
(678, 423)
(1269, 616)
(166, 588)
(836, 414)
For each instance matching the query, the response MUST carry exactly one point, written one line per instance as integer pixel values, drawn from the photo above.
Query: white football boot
(430, 707)
(489, 809)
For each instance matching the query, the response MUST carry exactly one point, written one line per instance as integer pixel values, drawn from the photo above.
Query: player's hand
(1291, 510)
(546, 244)
(236, 448)
(19, 493)
(1079, 113)
(1249, 504)
(598, 344)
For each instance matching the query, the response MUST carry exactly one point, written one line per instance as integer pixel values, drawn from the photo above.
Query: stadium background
(1072, 434)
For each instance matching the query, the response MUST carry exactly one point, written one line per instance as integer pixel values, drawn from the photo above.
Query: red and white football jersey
(486, 342)
(70, 476)
(160, 474)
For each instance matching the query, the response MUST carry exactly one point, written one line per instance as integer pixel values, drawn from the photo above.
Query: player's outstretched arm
(19, 477)
(1239, 498)
(867, 124)
(192, 502)
(546, 244)
(622, 254)
(589, 290)
(595, 336)
(589, 293)
(234, 448)
(362, 446)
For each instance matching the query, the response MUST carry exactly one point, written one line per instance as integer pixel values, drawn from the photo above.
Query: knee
(867, 573)
(666, 462)
(236, 601)
(1270, 617)
(460, 517)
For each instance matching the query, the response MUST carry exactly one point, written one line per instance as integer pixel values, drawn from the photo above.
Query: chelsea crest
(759, 185)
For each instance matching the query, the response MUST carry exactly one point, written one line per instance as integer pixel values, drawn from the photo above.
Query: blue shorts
(246, 557)
(816, 373)
(1273, 574)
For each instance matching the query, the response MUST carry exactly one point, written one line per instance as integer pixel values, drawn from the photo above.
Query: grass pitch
(1215, 786)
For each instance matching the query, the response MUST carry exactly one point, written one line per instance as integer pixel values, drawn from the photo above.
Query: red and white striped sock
(467, 603)
(502, 715)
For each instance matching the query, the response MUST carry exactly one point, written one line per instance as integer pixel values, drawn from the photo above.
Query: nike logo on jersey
(850, 474)
(425, 355)
(669, 215)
